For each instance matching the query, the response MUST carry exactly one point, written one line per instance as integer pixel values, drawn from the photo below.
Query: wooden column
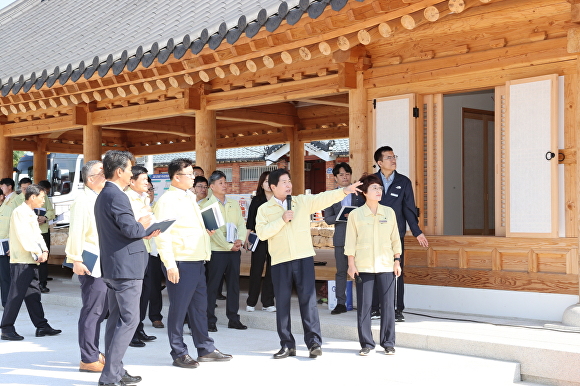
(358, 129)
(205, 138)
(6, 163)
(296, 162)
(39, 161)
(577, 147)
(92, 141)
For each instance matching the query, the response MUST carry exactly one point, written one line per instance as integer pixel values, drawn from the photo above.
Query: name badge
(382, 221)
(394, 195)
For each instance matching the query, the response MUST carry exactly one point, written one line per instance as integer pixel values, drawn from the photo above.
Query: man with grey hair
(27, 250)
(225, 253)
(82, 236)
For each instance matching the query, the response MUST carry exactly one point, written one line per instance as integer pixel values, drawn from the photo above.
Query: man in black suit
(398, 194)
(123, 262)
(342, 174)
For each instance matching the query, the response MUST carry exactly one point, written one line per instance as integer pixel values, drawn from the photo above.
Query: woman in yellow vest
(373, 247)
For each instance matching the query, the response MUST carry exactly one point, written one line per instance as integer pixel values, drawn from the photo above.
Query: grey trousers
(123, 297)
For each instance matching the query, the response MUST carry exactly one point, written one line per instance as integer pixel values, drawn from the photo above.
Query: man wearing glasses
(200, 188)
(397, 194)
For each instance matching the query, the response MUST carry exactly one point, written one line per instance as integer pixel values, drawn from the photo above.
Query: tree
(16, 155)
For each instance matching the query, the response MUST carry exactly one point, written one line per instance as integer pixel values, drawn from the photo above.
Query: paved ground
(53, 361)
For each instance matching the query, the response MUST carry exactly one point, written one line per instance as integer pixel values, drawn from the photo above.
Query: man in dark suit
(398, 194)
(342, 174)
(123, 262)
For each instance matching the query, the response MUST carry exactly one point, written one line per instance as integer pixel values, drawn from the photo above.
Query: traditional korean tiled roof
(254, 153)
(43, 42)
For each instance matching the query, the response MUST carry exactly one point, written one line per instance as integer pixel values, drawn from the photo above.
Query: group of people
(110, 221)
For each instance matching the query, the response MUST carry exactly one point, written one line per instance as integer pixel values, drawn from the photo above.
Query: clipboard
(344, 210)
(159, 225)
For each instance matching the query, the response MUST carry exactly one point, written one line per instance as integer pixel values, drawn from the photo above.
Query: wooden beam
(271, 115)
(178, 147)
(296, 161)
(251, 140)
(40, 126)
(323, 134)
(358, 129)
(280, 92)
(22, 145)
(334, 100)
(145, 112)
(39, 161)
(182, 126)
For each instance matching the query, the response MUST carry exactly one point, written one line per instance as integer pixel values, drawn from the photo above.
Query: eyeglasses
(150, 190)
(376, 188)
(390, 157)
(201, 187)
(185, 174)
(98, 174)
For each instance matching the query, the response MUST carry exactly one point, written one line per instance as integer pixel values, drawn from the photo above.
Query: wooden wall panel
(516, 264)
(478, 259)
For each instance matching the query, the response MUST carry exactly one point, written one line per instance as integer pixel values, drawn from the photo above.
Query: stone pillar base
(571, 316)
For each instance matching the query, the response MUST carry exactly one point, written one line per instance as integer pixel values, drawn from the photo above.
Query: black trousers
(93, 311)
(384, 284)
(24, 287)
(155, 297)
(228, 264)
(145, 295)
(301, 273)
(43, 267)
(260, 257)
(399, 301)
(4, 278)
(188, 296)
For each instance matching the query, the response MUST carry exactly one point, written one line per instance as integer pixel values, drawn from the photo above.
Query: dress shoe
(285, 353)
(186, 362)
(211, 327)
(11, 336)
(129, 379)
(144, 337)
(44, 289)
(158, 324)
(216, 356)
(221, 297)
(237, 325)
(399, 317)
(47, 331)
(120, 383)
(390, 350)
(136, 342)
(339, 309)
(315, 351)
(94, 367)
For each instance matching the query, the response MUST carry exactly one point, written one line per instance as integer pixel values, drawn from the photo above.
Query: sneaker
(364, 351)
(375, 315)
(250, 309)
(399, 316)
(269, 309)
(389, 350)
(339, 309)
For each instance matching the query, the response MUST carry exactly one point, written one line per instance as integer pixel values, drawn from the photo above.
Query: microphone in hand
(289, 203)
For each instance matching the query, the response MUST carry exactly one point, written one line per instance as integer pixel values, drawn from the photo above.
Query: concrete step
(502, 350)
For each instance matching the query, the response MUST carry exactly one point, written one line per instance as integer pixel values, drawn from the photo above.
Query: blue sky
(4, 3)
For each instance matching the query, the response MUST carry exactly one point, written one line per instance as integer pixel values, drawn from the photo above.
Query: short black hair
(7, 181)
(137, 170)
(199, 179)
(46, 185)
(177, 165)
(275, 175)
(216, 175)
(116, 159)
(24, 180)
(198, 167)
(33, 190)
(343, 165)
(379, 153)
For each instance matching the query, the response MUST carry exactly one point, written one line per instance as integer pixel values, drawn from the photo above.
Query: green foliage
(16, 157)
